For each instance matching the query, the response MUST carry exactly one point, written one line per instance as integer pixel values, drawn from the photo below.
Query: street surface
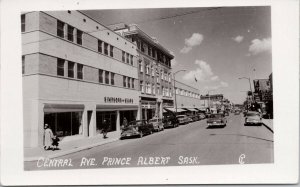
(191, 144)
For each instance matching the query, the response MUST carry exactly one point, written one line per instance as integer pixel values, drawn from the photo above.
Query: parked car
(157, 124)
(193, 117)
(137, 128)
(253, 118)
(226, 113)
(183, 119)
(202, 116)
(217, 120)
(170, 121)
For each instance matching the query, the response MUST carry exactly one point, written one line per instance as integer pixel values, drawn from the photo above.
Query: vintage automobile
(237, 112)
(253, 118)
(193, 117)
(226, 113)
(217, 120)
(202, 116)
(137, 128)
(157, 124)
(170, 121)
(183, 119)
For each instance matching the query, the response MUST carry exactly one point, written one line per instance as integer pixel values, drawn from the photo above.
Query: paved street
(192, 144)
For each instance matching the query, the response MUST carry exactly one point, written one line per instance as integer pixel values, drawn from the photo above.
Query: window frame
(79, 35)
(60, 31)
(71, 66)
(60, 70)
(111, 51)
(106, 77)
(23, 22)
(100, 76)
(70, 36)
(105, 48)
(112, 78)
(79, 71)
(100, 49)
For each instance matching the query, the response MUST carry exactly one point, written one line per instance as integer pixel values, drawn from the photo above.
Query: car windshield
(136, 123)
(216, 116)
(153, 120)
(180, 116)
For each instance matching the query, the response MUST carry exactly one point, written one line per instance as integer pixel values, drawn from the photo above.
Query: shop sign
(118, 100)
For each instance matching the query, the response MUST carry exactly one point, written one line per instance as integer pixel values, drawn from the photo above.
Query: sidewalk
(68, 147)
(268, 123)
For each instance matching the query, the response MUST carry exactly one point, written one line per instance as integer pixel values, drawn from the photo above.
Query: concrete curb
(266, 124)
(62, 153)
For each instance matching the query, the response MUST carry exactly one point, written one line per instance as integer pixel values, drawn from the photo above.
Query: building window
(70, 33)
(157, 90)
(152, 71)
(142, 47)
(140, 66)
(123, 56)
(100, 46)
(23, 22)
(169, 77)
(112, 78)
(153, 89)
(141, 87)
(105, 48)
(23, 64)
(131, 59)
(147, 69)
(60, 67)
(111, 51)
(162, 74)
(132, 82)
(128, 82)
(163, 91)
(79, 71)
(79, 37)
(100, 76)
(60, 28)
(71, 69)
(124, 81)
(157, 76)
(127, 58)
(165, 76)
(106, 77)
(150, 51)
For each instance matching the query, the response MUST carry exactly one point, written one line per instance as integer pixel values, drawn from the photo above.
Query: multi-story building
(76, 73)
(154, 71)
(187, 98)
(212, 100)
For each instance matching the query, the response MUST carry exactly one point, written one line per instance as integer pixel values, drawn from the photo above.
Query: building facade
(76, 73)
(187, 97)
(154, 71)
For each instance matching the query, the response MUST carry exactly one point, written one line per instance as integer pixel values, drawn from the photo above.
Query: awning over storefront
(54, 108)
(174, 110)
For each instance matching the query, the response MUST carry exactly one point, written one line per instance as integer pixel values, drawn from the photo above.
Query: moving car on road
(217, 120)
(237, 112)
(202, 116)
(253, 118)
(170, 121)
(157, 124)
(183, 119)
(137, 128)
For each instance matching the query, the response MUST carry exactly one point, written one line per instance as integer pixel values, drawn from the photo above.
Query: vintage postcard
(167, 93)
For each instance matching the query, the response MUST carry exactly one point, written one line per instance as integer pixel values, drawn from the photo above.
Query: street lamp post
(175, 87)
(250, 87)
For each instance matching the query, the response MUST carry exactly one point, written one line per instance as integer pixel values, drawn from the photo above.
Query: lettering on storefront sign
(118, 100)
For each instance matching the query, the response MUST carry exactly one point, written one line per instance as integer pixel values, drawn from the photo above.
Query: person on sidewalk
(55, 143)
(124, 124)
(48, 135)
(105, 129)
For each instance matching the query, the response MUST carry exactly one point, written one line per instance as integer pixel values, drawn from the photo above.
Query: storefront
(149, 108)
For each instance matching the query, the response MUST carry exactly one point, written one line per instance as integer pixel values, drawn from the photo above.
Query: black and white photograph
(152, 88)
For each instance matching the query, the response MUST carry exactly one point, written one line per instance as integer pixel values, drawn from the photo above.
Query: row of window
(187, 93)
(126, 56)
(128, 82)
(163, 75)
(152, 51)
(75, 35)
(150, 89)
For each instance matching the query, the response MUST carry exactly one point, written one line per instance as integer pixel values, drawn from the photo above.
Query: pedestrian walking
(55, 143)
(48, 135)
(124, 123)
(106, 126)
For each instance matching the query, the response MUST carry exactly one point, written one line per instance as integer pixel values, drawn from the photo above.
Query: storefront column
(92, 127)
(161, 110)
(139, 113)
(118, 121)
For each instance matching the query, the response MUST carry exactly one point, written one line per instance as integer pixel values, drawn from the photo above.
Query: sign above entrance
(118, 100)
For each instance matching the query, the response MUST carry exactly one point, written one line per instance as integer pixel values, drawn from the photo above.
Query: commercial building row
(78, 72)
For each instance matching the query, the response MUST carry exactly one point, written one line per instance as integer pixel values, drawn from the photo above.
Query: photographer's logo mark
(241, 158)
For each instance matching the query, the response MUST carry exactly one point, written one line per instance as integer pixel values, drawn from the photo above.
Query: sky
(216, 46)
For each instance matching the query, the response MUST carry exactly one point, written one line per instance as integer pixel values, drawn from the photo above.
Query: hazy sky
(215, 45)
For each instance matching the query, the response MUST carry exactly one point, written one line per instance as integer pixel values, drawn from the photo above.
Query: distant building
(154, 71)
(213, 100)
(76, 73)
